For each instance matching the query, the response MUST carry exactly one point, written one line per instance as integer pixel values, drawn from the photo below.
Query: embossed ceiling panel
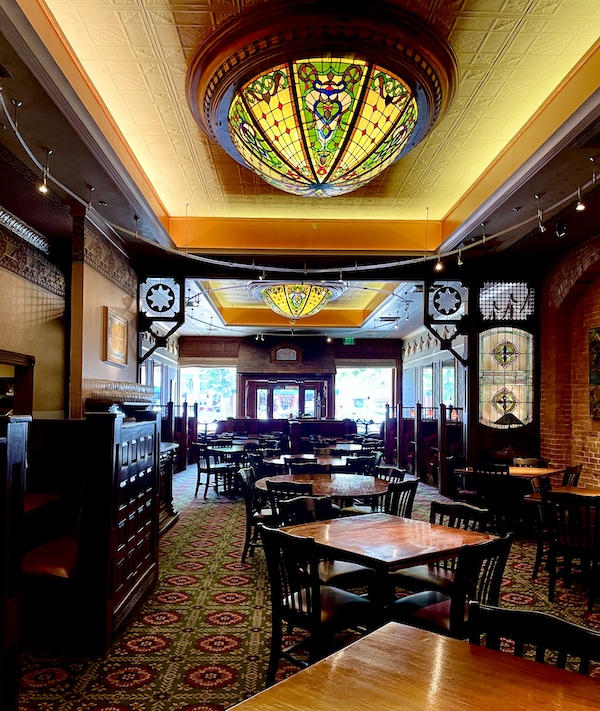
(512, 55)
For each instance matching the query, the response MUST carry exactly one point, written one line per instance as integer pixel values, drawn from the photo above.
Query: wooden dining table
(336, 485)
(325, 459)
(387, 542)
(401, 668)
(519, 472)
(587, 491)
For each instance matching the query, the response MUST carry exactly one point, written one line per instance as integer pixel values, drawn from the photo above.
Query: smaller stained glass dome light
(295, 301)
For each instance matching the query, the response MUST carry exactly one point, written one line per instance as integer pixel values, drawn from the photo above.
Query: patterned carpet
(201, 641)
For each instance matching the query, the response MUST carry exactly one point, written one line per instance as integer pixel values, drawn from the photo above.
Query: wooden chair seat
(478, 576)
(440, 575)
(345, 575)
(430, 610)
(338, 607)
(424, 577)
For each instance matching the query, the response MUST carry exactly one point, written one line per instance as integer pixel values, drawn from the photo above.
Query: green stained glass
(322, 126)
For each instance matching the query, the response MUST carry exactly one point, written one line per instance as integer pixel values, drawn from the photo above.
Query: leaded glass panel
(505, 377)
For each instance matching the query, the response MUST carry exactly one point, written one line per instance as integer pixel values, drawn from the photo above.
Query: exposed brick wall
(570, 308)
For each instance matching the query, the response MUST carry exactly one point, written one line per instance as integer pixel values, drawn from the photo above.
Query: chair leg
(551, 567)
(275, 653)
(207, 484)
(539, 556)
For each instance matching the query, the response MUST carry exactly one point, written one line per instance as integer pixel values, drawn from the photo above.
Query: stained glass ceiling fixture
(295, 301)
(320, 98)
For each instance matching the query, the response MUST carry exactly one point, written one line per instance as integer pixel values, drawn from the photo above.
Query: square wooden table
(387, 542)
(400, 668)
(519, 472)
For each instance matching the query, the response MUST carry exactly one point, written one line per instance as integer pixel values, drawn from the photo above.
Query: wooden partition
(426, 438)
(107, 469)
(13, 457)
(303, 432)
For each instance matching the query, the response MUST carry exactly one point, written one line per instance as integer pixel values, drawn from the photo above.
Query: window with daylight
(505, 377)
(362, 393)
(212, 388)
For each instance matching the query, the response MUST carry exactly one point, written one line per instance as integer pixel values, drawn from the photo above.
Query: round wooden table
(335, 484)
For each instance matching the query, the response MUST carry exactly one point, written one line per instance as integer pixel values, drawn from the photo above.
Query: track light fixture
(459, 259)
(483, 235)
(540, 215)
(329, 339)
(438, 265)
(43, 188)
(593, 161)
(561, 229)
(16, 104)
(580, 206)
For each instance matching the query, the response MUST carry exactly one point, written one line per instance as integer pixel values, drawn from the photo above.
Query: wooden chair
(390, 474)
(571, 475)
(374, 503)
(440, 575)
(574, 534)
(220, 474)
(478, 576)
(529, 462)
(300, 466)
(360, 465)
(306, 509)
(255, 512)
(400, 497)
(299, 599)
(497, 492)
(533, 502)
(279, 491)
(535, 631)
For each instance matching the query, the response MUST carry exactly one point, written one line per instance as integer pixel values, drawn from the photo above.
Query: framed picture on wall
(594, 348)
(115, 338)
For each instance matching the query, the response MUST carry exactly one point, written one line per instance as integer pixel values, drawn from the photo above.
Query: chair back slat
(305, 509)
(571, 475)
(286, 490)
(400, 497)
(479, 571)
(537, 631)
(292, 565)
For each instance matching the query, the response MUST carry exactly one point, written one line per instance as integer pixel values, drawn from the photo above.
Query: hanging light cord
(245, 267)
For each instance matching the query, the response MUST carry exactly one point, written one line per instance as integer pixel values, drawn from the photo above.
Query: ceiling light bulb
(329, 339)
(438, 265)
(396, 325)
(459, 259)
(43, 188)
(580, 206)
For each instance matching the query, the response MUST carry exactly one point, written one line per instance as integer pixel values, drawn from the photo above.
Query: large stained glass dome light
(319, 98)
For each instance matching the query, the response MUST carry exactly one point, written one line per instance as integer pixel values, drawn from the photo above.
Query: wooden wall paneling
(13, 457)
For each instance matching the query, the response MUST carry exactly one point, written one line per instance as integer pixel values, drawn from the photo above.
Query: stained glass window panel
(505, 377)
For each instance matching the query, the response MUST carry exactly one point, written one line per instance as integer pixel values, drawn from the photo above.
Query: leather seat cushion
(56, 558)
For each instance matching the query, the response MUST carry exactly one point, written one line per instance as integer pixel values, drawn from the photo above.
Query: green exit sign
(349, 341)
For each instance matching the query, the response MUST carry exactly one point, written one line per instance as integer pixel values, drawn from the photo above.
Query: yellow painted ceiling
(512, 55)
